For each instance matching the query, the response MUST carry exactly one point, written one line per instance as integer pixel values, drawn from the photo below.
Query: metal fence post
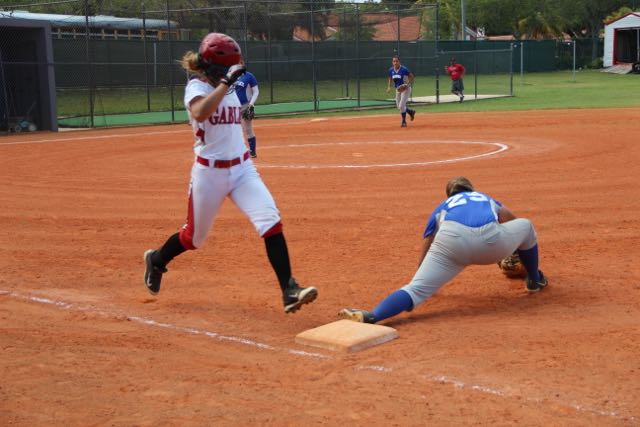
(88, 57)
(146, 64)
(173, 107)
(270, 66)
(511, 70)
(4, 92)
(246, 33)
(437, 37)
(313, 63)
(344, 52)
(574, 59)
(521, 62)
(475, 68)
(398, 40)
(358, 52)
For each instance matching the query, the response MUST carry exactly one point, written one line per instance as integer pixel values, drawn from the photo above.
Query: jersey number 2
(461, 199)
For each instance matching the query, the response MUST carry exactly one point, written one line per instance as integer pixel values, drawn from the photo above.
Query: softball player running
(456, 72)
(467, 228)
(247, 90)
(402, 80)
(223, 168)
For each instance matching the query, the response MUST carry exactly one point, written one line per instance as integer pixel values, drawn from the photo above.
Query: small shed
(622, 40)
(27, 81)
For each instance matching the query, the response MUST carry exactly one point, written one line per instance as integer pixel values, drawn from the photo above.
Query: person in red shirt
(456, 71)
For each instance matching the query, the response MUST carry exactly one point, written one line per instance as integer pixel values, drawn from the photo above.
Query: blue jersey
(400, 76)
(469, 208)
(243, 85)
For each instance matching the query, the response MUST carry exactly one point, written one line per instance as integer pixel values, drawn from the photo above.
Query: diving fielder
(468, 228)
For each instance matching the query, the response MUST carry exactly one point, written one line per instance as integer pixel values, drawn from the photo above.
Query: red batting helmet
(217, 53)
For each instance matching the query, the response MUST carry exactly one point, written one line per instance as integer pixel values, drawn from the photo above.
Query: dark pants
(457, 86)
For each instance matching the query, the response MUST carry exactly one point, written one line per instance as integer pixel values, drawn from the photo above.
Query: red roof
(409, 29)
(385, 25)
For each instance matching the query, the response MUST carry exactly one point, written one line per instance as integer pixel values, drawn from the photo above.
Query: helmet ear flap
(213, 71)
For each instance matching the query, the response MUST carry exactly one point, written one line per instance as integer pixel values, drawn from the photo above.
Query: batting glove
(235, 71)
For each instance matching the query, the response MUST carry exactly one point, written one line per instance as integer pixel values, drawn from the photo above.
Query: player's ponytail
(190, 62)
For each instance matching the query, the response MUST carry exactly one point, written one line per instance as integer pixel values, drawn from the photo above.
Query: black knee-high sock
(171, 249)
(279, 258)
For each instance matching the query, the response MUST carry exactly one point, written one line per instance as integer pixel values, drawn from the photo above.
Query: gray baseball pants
(402, 99)
(456, 246)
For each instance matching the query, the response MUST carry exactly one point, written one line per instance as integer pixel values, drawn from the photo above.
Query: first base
(346, 335)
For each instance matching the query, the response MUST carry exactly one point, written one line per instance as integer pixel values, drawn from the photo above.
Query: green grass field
(591, 89)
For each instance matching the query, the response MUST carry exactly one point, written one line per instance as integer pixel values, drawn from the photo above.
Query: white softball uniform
(222, 168)
(469, 235)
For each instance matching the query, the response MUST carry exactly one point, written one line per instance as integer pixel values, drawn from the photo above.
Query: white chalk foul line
(442, 379)
(87, 137)
(93, 137)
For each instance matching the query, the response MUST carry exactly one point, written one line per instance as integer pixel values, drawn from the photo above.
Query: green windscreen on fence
(306, 56)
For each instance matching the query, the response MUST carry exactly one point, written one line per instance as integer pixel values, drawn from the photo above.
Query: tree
(618, 14)
(586, 17)
(536, 27)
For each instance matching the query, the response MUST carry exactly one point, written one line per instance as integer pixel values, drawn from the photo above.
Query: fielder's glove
(402, 88)
(249, 113)
(233, 73)
(512, 267)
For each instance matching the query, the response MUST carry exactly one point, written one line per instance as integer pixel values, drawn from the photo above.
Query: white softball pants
(456, 246)
(210, 186)
(402, 99)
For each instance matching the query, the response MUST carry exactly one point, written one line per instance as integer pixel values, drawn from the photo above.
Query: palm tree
(536, 27)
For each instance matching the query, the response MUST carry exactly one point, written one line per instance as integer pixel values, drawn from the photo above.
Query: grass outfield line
(556, 90)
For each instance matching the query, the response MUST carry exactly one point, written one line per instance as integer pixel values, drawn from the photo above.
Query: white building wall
(631, 21)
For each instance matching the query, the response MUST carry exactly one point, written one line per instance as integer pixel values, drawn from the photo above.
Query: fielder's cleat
(362, 316)
(403, 125)
(253, 154)
(152, 273)
(412, 114)
(295, 296)
(534, 286)
(461, 98)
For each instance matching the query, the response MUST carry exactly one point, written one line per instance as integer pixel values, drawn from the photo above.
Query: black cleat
(412, 114)
(534, 286)
(403, 125)
(461, 98)
(253, 154)
(295, 296)
(152, 273)
(357, 315)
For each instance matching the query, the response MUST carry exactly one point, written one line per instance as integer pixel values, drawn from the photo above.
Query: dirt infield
(83, 343)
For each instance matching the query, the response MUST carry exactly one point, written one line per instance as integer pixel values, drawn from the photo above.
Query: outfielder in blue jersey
(467, 228)
(402, 80)
(247, 91)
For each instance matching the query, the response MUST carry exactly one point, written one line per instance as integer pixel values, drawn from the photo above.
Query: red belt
(223, 164)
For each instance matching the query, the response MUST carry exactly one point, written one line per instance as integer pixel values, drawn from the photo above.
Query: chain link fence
(307, 56)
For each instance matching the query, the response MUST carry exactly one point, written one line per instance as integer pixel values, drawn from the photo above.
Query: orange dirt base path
(83, 343)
